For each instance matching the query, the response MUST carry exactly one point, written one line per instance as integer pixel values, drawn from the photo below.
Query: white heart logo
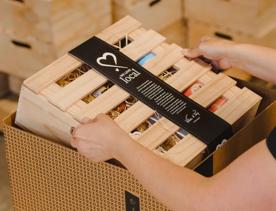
(101, 60)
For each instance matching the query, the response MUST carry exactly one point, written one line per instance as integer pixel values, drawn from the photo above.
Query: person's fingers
(85, 120)
(224, 64)
(74, 143)
(205, 39)
(192, 53)
(72, 129)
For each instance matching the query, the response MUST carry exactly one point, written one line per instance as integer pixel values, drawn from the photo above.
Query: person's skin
(256, 60)
(249, 183)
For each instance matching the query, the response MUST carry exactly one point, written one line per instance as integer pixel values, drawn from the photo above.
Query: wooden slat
(98, 106)
(206, 95)
(76, 90)
(238, 104)
(235, 109)
(144, 44)
(39, 116)
(52, 73)
(184, 151)
(62, 97)
(50, 90)
(141, 46)
(160, 50)
(80, 105)
(116, 31)
(67, 64)
(188, 73)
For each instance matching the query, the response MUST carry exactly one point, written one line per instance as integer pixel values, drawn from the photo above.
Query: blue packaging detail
(146, 58)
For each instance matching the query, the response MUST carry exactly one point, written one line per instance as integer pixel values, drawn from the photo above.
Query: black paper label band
(152, 91)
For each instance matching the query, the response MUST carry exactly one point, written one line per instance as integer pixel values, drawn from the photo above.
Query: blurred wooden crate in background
(242, 21)
(155, 14)
(3, 84)
(176, 32)
(36, 32)
(165, 16)
(255, 18)
(198, 29)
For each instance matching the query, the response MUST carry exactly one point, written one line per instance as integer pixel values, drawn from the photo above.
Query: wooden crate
(154, 14)
(198, 29)
(3, 84)
(36, 32)
(176, 33)
(254, 18)
(15, 84)
(63, 102)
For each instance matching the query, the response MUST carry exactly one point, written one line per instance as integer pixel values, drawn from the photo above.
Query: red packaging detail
(193, 88)
(217, 104)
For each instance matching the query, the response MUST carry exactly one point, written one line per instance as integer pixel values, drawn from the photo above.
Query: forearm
(257, 60)
(177, 187)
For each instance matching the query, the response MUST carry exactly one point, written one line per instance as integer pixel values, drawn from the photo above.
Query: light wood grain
(230, 112)
(204, 96)
(141, 46)
(52, 73)
(187, 74)
(62, 107)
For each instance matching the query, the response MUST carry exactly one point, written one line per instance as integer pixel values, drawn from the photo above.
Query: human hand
(217, 50)
(98, 139)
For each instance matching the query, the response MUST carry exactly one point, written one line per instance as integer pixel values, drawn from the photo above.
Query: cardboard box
(7, 106)
(48, 176)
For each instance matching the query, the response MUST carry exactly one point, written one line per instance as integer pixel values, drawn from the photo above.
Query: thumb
(192, 53)
(85, 120)
(224, 64)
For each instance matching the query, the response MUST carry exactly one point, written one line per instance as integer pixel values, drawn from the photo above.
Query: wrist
(122, 146)
(231, 54)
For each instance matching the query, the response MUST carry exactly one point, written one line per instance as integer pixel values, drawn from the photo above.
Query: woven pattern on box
(48, 176)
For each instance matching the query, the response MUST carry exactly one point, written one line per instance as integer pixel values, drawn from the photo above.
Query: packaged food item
(169, 143)
(217, 104)
(146, 58)
(93, 95)
(136, 133)
(192, 89)
(67, 79)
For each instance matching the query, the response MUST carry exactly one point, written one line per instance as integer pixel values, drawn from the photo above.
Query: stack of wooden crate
(3, 77)
(164, 16)
(36, 32)
(68, 90)
(248, 21)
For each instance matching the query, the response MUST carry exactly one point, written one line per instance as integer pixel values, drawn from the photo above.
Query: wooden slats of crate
(50, 110)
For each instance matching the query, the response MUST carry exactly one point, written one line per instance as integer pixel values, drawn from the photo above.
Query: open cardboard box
(48, 176)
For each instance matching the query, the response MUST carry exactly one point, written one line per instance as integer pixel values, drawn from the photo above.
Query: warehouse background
(33, 33)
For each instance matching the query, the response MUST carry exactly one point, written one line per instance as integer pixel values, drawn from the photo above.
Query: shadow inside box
(5, 200)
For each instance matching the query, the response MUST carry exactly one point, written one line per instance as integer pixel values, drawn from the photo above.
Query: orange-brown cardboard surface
(48, 176)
